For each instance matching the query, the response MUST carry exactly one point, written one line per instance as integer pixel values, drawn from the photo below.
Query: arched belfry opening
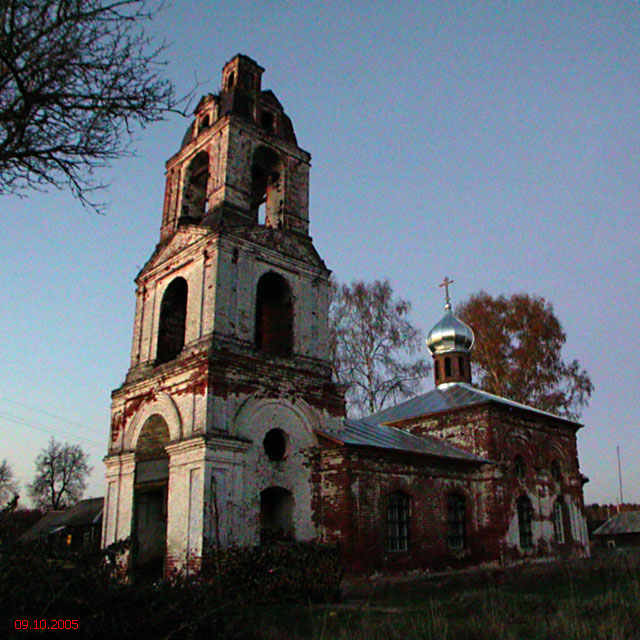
(276, 515)
(274, 316)
(173, 321)
(194, 193)
(150, 499)
(266, 189)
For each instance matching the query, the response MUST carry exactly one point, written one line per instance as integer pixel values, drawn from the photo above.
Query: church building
(228, 429)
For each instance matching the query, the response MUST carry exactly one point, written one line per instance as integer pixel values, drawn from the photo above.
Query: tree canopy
(518, 353)
(373, 346)
(8, 485)
(75, 77)
(61, 476)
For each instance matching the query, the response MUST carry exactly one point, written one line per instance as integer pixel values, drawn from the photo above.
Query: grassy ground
(597, 599)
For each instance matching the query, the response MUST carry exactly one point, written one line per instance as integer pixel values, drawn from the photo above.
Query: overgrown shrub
(286, 571)
(40, 583)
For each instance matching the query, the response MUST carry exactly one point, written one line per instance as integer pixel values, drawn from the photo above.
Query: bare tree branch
(373, 346)
(8, 485)
(76, 78)
(61, 476)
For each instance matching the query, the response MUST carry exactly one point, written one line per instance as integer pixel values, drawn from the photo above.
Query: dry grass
(588, 600)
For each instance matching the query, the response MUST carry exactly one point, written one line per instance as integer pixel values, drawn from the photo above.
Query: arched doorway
(150, 500)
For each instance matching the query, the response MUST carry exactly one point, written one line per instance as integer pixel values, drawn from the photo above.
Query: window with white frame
(525, 518)
(558, 526)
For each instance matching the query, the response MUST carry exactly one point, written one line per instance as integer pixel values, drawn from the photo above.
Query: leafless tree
(373, 346)
(61, 476)
(8, 485)
(76, 76)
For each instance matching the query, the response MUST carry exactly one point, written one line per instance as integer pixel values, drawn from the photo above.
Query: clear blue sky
(496, 143)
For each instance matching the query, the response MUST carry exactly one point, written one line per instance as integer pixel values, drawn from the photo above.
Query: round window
(275, 444)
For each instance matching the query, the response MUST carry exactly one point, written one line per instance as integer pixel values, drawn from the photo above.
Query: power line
(50, 430)
(49, 415)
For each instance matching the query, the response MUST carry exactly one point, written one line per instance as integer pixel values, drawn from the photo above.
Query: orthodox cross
(445, 283)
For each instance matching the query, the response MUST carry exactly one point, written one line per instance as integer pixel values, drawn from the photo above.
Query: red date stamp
(46, 624)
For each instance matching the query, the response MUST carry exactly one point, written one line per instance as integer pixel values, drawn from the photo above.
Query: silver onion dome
(450, 334)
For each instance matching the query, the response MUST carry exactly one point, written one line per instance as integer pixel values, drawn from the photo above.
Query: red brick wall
(353, 500)
(351, 489)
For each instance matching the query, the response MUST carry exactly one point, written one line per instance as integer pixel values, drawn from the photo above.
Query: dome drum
(450, 342)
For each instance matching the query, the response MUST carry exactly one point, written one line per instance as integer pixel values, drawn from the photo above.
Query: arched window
(194, 194)
(276, 515)
(173, 321)
(266, 173)
(447, 367)
(556, 472)
(455, 522)
(274, 316)
(247, 79)
(204, 124)
(519, 467)
(267, 120)
(436, 369)
(398, 522)
(525, 517)
(558, 526)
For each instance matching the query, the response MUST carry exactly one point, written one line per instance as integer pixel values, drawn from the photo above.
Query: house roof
(85, 512)
(376, 430)
(625, 522)
(43, 527)
(454, 395)
(365, 433)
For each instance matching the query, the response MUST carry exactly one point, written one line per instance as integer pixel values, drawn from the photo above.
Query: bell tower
(230, 374)
(239, 159)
